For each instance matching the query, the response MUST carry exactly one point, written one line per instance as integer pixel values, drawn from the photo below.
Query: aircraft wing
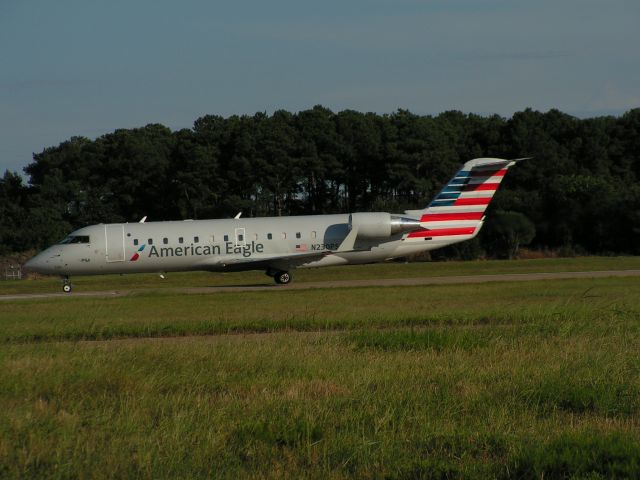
(283, 262)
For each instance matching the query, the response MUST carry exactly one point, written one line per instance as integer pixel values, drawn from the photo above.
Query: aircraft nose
(35, 264)
(43, 262)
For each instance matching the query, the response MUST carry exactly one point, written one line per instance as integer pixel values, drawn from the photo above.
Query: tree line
(579, 192)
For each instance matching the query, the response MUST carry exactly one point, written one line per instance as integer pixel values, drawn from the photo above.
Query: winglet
(143, 219)
(349, 241)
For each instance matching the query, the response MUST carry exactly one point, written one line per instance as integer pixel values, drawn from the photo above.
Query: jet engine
(381, 225)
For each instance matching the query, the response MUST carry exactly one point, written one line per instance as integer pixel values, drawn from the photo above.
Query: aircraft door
(240, 237)
(114, 242)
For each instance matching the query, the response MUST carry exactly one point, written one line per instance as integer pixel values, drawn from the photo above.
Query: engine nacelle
(381, 224)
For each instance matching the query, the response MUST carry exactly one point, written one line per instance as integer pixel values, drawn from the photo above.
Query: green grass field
(354, 272)
(497, 380)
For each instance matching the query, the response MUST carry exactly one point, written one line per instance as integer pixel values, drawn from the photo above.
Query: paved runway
(389, 282)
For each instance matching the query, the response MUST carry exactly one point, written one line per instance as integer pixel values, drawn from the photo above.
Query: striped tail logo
(456, 213)
(136, 255)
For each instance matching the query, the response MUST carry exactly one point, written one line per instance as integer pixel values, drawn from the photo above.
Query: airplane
(278, 245)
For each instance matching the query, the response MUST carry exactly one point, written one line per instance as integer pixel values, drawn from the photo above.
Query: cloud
(524, 55)
(28, 84)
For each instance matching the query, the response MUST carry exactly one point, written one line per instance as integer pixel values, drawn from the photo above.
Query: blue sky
(87, 67)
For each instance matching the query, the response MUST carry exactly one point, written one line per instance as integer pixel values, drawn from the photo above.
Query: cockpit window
(75, 239)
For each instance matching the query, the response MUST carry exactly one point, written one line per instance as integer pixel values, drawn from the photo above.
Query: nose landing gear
(66, 285)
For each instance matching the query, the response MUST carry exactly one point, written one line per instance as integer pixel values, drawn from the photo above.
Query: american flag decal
(302, 247)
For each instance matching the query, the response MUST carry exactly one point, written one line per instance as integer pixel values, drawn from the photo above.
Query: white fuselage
(276, 243)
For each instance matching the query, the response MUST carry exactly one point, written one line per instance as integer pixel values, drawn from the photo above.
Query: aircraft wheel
(282, 278)
(66, 288)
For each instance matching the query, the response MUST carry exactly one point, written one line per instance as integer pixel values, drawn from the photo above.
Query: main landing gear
(66, 285)
(280, 276)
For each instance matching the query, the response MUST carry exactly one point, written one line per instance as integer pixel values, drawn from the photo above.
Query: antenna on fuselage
(237, 216)
(142, 220)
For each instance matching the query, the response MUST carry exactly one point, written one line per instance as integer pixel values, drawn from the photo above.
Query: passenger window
(180, 240)
(241, 238)
(269, 236)
(196, 239)
(313, 234)
(226, 238)
(297, 234)
(135, 241)
(284, 235)
(165, 240)
(150, 241)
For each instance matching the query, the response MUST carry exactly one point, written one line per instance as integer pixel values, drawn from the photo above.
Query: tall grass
(505, 381)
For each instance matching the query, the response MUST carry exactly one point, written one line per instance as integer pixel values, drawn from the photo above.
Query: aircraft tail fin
(457, 211)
